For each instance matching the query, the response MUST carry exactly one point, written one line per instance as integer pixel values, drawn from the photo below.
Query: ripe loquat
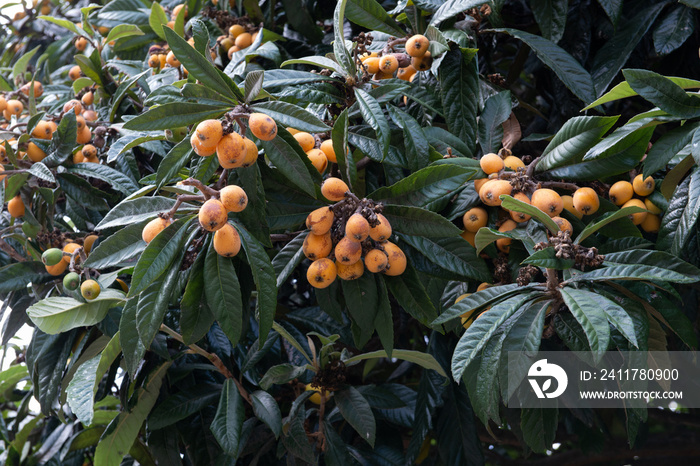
(327, 148)
(569, 206)
(388, 64)
(15, 207)
(417, 45)
(69, 248)
(348, 251)
(334, 189)
(262, 126)
(350, 272)
(305, 140)
(318, 159)
(212, 215)
(586, 201)
(474, 219)
(320, 220)
(491, 163)
(651, 207)
(321, 273)
(233, 198)
(231, 151)
(513, 163)
(564, 224)
(643, 186)
(317, 246)
(520, 217)
(209, 133)
(357, 228)
(382, 231)
(621, 192)
(548, 201)
(376, 261)
(637, 218)
(396, 259)
(154, 227)
(651, 223)
(492, 190)
(503, 244)
(227, 241)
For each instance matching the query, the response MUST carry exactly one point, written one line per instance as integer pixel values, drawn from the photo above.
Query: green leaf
(497, 109)
(265, 282)
(673, 30)
(175, 161)
(451, 8)
(291, 115)
(321, 62)
(18, 275)
(124, 429)
(200, 68)
(374, 116)
(623, 90)
(64, 23)
(356, 410)
(681, 216)
(131, 211)
(266, 409)
(63, 141)
(227, 425)
(280, 374)
(89, 69)
(567, 69)
(119, 94)
(174, 115)
(288, 258)
(547, 258)
(663, 93)
(419, 222)
(58, 314)
(606, 219)
(424, 360)
(153, 303)
(551, 17)
(157, 19)
(539, 426)
(253, 85)
(117, 248)
(486, 236)
(589, 313)
(129, 339)
(362, 300)
(459, 93)
(160, 254)
(573, 140)
(429, 188)
(510, 203)
(346, 163)
(115, 178)
(610, 59)
(183, 404)
(223, 294)
(454, 254)
(22, 62)
(482, 329)
(286, 154)
(383, 320)
(123, 30)
(667, 147)
(341, 52)
(195, 317)
(415, 140)
(411, 295)
(371, 15)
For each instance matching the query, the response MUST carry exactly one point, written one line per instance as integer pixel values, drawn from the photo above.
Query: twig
(559, 184)
(10, 251)
(206, 190)
(531, 168)
(213, 358)
(184, 198)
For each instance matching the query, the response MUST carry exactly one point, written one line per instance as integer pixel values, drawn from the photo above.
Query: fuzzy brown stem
(559, 185)
(206, 190)
(6, 248)
(184, 198)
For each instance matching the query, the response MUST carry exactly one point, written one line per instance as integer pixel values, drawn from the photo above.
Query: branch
(9, 250)
(206, 190)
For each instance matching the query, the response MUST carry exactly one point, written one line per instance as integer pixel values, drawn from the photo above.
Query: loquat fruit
(52, 256)
(90, 289)
(334, 189)
(69, 248)
(80, 43)
(320, 220)
(569, 206)
(396, 259)
(548, 201)
(15, 207)
(492, 190)
(84, 135)
(586, 201)
(57, 269)
(236, 30)
(422, 63)
(350, 272)
(227, 241)
(357, 228)
(479, 183)
(382, 231)
(78, 157)
(212, 215)
(318, 159)
(491, 163)
(154, 227)
(406, 73)
(643, 186)
(474, 219)
(564, 224)
(34, 153)
(483, 286)
(71, 281)
(520, 217)
(89, 151)
(233, 198)
(14, 107)
(244, 40)
(372, 64)
(321, 273)
(651, 207)
(388, 64)
(209, 133)
(88, 98)
(651, 223)
(38, 89)
(74, 105)
(513, 163)
(171, 60)
(348, 251)
(89, 242)
(231, 150)
(198, 148)
(251, 153)
(469, 236)
(621, 192)
(317, 246)
(305, 140)
(376, 261)
(417, 45)
(263, 126)
(503, 244)
(327, 148)
(74, 72)
(638, 218)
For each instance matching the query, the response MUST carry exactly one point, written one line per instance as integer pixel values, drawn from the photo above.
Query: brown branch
(184, 198)
(531, 168)
(206, 190)
(363, 162)
(9, 250)
(559, 185)
(213, 358)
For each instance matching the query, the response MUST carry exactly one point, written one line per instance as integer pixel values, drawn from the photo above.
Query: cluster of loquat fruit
(159, 57)
(400, 65)
(56, 261)
(240, 36)
(583, 202)
(622, 192)
(320, 152)
(348, 237)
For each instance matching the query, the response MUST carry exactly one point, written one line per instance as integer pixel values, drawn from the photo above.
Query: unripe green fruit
(176, 134)
(30, 230)
(71, 282)
(52, 256)
(90, 289)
